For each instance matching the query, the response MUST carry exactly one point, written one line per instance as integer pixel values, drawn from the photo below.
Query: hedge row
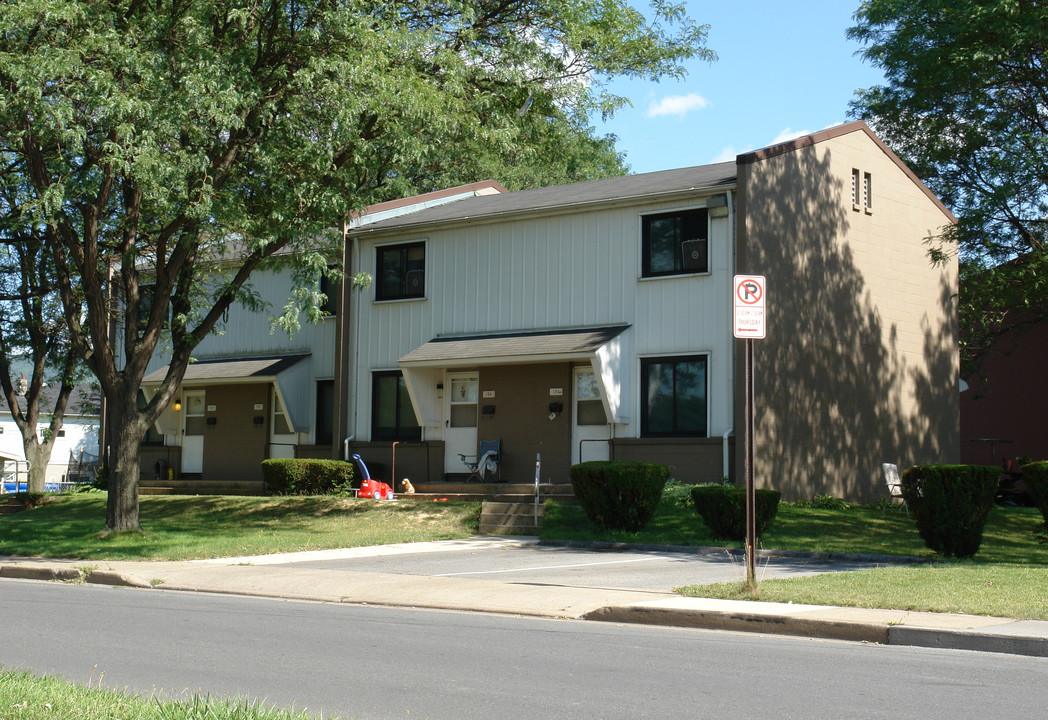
(950, 503)
(723, 509)
(619, 495)
(299, 476)
(1035, 475)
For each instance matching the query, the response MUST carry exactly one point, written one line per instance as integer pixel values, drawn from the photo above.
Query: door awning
(603, 348)
(509, 348)
(290, 374)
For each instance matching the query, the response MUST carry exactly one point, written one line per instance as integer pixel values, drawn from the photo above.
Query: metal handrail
(603, 440)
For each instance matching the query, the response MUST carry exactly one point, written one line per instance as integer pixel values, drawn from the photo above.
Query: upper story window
(330, 288)
(675, 243)
(400, 271)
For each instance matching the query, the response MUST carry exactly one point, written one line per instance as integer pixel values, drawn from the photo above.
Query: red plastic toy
(370, 488)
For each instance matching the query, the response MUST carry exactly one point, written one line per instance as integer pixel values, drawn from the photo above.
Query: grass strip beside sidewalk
(1008, 577)
(193, 527)
(23, 695)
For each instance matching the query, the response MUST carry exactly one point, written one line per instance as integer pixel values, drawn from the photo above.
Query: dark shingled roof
(229, 368)
(647, 186)
(495, 345)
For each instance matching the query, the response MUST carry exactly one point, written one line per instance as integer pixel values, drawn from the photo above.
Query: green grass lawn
(184, 528)
(24, 696)
(1008, 577)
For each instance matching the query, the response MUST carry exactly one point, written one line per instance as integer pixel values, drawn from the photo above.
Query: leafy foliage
(297, 476)
(164, 151)
(950, 503)
(619, 495)
(723, 509)
(1035, 475)
(965, 107)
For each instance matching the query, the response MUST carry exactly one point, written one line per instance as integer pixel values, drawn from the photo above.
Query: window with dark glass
(330, 287)
(675, 243)
(400, 271)
(152, 436)
(674, 396)
(392, 417)
(325, 426)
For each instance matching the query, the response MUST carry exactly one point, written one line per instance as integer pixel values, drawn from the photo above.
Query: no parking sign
(749, 306)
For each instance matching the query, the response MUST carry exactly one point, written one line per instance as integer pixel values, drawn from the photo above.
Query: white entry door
(461, 393)
(193, 432)
(590, 429)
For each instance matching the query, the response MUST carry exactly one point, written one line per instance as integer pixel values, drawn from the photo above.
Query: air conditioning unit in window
(693, 255)
(415, 282)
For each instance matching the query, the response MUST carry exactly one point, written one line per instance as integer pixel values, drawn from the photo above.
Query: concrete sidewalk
(262, 577)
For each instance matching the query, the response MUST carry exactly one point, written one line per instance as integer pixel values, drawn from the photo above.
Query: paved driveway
(527, 562)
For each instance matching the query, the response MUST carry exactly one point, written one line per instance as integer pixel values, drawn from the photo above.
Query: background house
(253, 392)
(594, 320)
(999, 409)
(77, 440)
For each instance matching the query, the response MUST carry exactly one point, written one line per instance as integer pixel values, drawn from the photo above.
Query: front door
(590, 429)
(460, 419)
(193, 432)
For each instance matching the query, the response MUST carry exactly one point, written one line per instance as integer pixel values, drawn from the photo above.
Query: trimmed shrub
(723, 509)
(300, 476)
(950, 503)
(619, 495)
(1035, 475)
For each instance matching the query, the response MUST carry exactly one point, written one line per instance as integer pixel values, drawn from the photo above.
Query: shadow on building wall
(841, 386)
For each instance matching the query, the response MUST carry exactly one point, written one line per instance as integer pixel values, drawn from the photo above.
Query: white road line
(549, 567)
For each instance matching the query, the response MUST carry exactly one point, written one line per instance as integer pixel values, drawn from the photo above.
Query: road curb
(743, 622)
(109, 577)
(41, 573)
(954, 640)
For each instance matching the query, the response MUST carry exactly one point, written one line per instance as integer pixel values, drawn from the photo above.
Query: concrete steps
(511, 518)
(10, 506)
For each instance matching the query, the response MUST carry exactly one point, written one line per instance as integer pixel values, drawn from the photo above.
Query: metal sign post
(749, 325)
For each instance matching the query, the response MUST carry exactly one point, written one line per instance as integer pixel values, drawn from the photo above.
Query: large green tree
(33, 338)
(966, 105)
(172, 147)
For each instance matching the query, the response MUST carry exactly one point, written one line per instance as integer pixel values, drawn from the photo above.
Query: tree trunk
(38, 455)
(122, 504)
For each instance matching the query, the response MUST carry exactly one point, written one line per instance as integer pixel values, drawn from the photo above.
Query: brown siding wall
(521, 419)
(234, 446)
(690, 461)
(859, 366)
(419, 462)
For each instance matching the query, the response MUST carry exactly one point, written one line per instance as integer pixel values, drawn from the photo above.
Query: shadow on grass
(183, 527)
(1012, 535)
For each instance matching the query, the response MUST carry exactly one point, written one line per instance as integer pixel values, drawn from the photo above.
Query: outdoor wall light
(178, 406)
(717, 206)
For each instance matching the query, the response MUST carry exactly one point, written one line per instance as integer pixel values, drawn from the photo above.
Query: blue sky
(784, 69)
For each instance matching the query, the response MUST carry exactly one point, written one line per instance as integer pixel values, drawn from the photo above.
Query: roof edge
(835, 132)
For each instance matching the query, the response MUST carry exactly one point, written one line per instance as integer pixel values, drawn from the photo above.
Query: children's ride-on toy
(370, 488)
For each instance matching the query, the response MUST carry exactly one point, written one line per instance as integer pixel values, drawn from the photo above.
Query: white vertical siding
(570, 270)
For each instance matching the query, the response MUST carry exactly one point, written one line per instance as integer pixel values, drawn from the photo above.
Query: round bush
(1035, 475)
(723, 509)
(619, 495)
(950, 503)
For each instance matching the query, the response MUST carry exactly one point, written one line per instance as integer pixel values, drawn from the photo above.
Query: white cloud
(725, 155)
(677, 105)
(787, 135)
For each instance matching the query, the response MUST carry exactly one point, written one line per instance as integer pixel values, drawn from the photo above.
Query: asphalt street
(353, 661)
